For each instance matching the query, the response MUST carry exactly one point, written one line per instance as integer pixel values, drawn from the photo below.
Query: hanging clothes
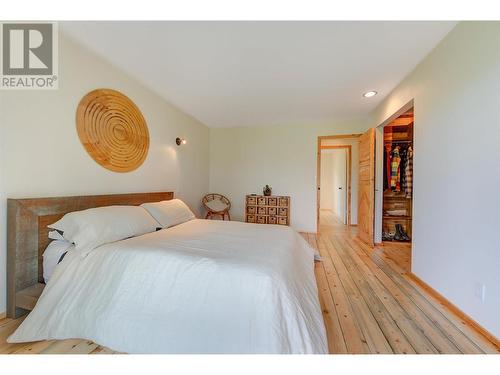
(409, 173)
(387, 163)
(403, 154)
(395, 170)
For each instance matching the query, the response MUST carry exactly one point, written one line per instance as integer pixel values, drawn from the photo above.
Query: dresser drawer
(272, 211)
(252, 200)
(282, 211)
(261, 219)
(272, 201)
(282, 221)
(283, 201)
(250, 218)
(251, 210)
(261, 201)
(272, 220)
(261, 210)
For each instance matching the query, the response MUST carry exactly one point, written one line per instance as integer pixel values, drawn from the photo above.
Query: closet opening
(397, 206)
(337, 182)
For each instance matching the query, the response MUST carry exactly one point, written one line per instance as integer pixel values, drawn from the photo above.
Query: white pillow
(169, 213)
(94, 227)
(52, 255)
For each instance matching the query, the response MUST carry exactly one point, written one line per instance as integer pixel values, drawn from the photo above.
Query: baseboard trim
(454, 309)
(3, 315)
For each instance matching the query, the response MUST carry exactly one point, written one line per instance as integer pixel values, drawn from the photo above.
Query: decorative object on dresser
(216, 205)
(112, 130)
(267, 191)
(263, 209)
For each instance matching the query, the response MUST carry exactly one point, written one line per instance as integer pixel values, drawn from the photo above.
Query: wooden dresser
(267, 210)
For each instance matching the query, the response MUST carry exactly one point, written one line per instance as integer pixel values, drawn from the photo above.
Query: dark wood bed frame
(27, 239)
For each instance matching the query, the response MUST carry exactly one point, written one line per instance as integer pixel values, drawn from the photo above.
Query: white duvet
(200, 287)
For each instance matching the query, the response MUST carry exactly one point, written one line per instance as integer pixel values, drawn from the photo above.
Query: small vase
(267, 190)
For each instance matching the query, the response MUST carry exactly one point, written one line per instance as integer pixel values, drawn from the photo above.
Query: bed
(199, 287)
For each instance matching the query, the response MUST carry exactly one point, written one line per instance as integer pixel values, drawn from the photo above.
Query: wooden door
(366, 186)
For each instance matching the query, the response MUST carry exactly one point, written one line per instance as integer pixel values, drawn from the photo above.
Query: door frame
(318, 172)
(379, 157)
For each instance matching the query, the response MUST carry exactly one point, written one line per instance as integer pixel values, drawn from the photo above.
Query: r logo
(27, 49)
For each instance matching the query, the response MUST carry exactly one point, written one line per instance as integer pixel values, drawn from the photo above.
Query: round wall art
(112, 130)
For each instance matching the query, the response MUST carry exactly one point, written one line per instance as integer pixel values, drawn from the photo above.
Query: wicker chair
(216, 205)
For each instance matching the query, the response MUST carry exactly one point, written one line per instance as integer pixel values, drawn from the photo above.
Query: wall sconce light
(180, 141)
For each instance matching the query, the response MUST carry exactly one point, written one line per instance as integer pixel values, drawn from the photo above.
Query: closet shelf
(396, 142)
(395, 196)
(405, 217)
(394, 241)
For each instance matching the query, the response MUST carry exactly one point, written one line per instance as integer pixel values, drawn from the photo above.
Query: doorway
(394, 186)
(333, 193)
(337, 182)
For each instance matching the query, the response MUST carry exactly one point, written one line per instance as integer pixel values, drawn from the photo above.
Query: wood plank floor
(369, 303)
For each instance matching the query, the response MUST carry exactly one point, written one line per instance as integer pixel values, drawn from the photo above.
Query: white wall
(354, 143)
(456, 243)
(243, 160)
(41, 155)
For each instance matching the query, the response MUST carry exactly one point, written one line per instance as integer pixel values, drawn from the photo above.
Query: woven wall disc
(112, 130)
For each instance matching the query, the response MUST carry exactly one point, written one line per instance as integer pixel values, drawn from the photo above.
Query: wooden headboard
(27, 237)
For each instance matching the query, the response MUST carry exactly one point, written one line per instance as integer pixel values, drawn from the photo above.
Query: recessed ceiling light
(369, 94)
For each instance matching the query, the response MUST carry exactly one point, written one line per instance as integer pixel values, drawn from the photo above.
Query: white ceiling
(230, 74)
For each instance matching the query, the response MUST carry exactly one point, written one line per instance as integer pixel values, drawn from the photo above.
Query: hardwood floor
(399, 253)
(329, 223)
(8, 326)
(369, 303)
